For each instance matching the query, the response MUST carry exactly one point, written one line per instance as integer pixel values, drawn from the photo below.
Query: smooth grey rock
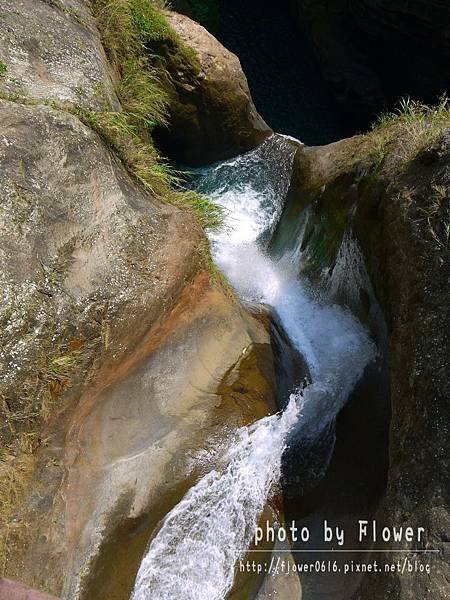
(52, 51)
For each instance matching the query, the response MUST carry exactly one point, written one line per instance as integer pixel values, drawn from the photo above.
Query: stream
(194, 553)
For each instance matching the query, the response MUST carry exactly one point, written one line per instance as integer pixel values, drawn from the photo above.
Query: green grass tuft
(131, 31)
(3, 68)
(151, 24)
(417, 125)
(412, 112)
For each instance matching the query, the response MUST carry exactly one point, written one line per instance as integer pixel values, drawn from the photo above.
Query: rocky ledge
(391, 189)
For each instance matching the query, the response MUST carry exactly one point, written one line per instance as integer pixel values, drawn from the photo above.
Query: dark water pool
(283, 74)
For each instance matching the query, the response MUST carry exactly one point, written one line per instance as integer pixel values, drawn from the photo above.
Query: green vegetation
(378, 154)
(3, 68)
(60, 367)
(411, 112)
(417, 124)
(323, 233)
(133, 32)
(15, 471)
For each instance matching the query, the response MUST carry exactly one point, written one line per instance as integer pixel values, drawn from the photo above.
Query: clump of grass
(378, 154)
(132, 31)
(3, 69)
(60, 367)
(59, 372)
(412, 112)
(417, 125)
(144, 163)
(151, 24)
(15, 471)
(211, 215)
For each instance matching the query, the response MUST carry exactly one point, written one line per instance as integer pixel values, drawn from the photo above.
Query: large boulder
(84, 252)
(212, 115)
(391, 188)
(137, 439)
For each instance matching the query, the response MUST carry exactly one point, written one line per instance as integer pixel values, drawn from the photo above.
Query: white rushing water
(193, 555)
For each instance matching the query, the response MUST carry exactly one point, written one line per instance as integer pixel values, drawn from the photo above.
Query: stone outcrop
(212, 115)
(84, 250)
(395, 200)
(123, 365)
(52, 51)
(374, 51)
(138, 437)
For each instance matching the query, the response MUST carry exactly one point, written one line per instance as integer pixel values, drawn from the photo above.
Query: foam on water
(194, 553)
(192, 557)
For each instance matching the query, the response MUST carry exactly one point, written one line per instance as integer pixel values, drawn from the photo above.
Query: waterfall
(194, 553)
(192, 557)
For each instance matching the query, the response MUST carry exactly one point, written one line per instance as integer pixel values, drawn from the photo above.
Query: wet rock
(212, 115)
(139, 437)
(396, 204)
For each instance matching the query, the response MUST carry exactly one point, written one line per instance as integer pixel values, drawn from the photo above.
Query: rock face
(52, 51)
(121, 361)
(84, 251)
(137, 439)
(10, 590)
(212, 115)
(375, 51)
(397, 207)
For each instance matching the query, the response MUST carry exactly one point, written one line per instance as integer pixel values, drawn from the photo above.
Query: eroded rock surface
(11, 590)
(84, 253)
(138, 438)
(212, 115)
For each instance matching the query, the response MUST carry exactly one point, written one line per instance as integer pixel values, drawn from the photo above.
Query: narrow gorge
(224, 302)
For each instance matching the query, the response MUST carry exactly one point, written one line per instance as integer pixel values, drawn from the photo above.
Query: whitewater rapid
(193, 555)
